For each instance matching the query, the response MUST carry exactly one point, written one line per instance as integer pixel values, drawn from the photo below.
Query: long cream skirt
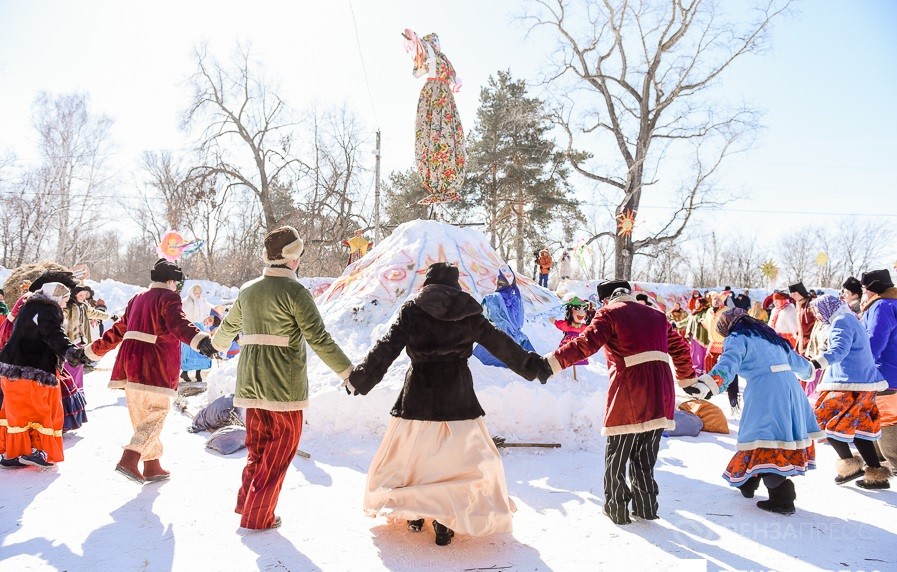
(444, 470)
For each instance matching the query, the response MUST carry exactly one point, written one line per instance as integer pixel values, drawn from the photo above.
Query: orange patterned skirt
(30, 417)
(785, 462)
(844, 415)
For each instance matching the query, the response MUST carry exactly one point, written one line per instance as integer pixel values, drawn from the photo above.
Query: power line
(364, 69)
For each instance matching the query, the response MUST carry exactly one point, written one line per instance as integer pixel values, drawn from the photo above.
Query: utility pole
(377, 192)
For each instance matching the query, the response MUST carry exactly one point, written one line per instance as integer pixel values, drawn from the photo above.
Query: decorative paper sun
(626, 222)
(769, 270)
(821, 259)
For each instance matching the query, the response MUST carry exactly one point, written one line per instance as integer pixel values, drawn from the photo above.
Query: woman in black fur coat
(437, 460)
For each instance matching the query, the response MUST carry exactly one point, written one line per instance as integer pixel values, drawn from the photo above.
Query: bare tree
(797, 254)
(74, 146)
(643, 72)
(245, 129)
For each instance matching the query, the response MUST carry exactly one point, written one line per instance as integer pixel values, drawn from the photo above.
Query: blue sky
(826, 87)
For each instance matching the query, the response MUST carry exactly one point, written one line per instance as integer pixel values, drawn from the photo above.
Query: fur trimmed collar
(280, 273)
(889, 294)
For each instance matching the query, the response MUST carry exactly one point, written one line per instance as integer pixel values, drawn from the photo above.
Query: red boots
(128, 466)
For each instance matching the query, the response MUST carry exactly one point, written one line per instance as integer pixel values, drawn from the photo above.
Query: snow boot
(750, 486)
(153, 471)
(781, 499)
(128, 466)
(849, 469)
(13, 463)
(444, 534)
(37, 458)
(198, 376)
(185, 377)
(416, 525)
(875, 478)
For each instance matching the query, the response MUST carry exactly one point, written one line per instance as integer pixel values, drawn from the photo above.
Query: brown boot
(128, 466)
(153, 471)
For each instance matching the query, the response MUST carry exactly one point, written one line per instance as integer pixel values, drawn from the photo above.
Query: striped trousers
(272, 438)
(639, 451)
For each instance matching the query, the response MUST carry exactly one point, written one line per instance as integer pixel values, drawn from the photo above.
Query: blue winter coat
(880, 319)
(192, 360)
(776, 412)
(496, 311)
(848, 362)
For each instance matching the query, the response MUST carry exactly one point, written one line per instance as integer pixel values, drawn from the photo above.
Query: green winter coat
(275, 315)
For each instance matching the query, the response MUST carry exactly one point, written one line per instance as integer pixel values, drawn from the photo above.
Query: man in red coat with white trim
(639, 344)
(148, 363)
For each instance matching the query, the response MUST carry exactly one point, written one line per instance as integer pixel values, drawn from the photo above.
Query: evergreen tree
(517, 178)
(401, 195)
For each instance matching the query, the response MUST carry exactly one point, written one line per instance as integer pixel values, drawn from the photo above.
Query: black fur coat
(438, 329)
(38, 343)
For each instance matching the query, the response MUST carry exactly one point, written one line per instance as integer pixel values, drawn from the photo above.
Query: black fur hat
(800, 289)
(853, 285)
(443, 273)
(164, 271)
(67, 279)
(606, 288)
(877, 281)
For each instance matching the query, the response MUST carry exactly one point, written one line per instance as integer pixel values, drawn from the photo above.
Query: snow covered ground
(84, 516)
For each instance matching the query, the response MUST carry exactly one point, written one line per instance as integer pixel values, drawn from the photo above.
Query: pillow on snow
(713, 417)
(215, 415)
(687, 425)
(227, 440)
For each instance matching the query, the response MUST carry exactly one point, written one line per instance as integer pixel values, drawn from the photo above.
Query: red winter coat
(150, 333)
(806, 319)
(641, 395)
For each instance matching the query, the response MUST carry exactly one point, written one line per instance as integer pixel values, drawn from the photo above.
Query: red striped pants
(272, 438)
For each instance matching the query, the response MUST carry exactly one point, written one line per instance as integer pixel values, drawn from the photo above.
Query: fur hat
(164, 270)
(608, 287)
(282, 244)
(877, 281)
(78, 289)
(443, 273)
(800, 289)
(853, 285)
(65, 278)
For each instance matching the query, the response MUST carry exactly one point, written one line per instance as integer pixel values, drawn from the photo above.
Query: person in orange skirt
(846, 407)
(777, 429)
(31, 416)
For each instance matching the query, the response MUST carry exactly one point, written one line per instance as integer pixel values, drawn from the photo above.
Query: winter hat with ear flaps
(282, 244)
(163, 271)
(877, 281)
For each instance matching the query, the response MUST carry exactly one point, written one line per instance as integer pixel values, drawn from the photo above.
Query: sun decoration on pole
(769, 270)
(626, 222)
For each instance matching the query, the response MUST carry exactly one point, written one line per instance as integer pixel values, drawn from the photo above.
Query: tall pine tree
(516, 178)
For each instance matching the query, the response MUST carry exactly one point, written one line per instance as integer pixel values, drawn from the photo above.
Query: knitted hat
(853, 285)
(282, 244)
(877, 281)
(443, 273)
(63, 277)
(608, 287)
(800, 289)
(163, 271)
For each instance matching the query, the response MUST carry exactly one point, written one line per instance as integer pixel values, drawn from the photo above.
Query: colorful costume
(31, 415)
(147, 365)
(639, 345)
(275, 316)
(437, 459)
(439, 145)
(504, 308)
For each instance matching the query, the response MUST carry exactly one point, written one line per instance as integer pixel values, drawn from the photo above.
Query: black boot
(185, 377)
(781, 499)
(198, 376)
(416, 525)
(444, 534)
(749, 487)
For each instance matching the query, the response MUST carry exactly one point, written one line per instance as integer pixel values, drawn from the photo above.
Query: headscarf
(828, 307)
(736, 320)
(510, 294)
(56, 291)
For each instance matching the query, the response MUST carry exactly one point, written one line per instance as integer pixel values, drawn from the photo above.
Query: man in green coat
(276, 316)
